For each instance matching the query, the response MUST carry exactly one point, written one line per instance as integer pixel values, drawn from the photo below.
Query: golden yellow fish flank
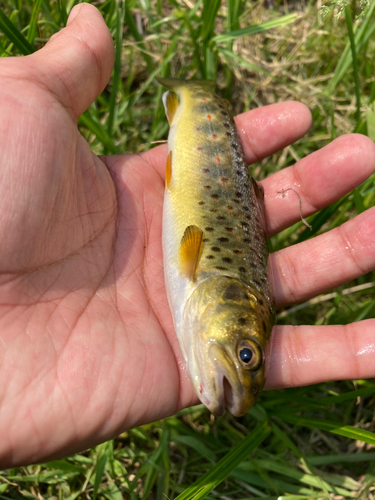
(217, 274)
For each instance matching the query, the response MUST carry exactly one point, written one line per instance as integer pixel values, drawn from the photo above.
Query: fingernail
(73, 13)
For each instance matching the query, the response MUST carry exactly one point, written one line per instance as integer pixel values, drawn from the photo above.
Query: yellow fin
(190, 251)
(168, 170)
(170, 105)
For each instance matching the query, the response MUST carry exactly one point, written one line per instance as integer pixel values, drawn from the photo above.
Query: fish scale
(210, 192)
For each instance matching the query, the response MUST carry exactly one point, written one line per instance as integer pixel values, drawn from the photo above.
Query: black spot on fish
(213, 210)
(226, 125)
(245, 208)
(201, 203)
(210, 256)
(205, 240)
(236, 201)
(239, 173)
(224, 113)
(220, 268)
(220, 217)
(242, 321)
(209, 229)
(260, 302)
(229, 229)
(257, 283)
(228, 260)
(229, 134)
(206, 170)
(207, 187)
(238, 194)
(253, 265)
(242, 269)
(214, 196)
(215, 249)
(246, 240)
(237, 252)
(223, 240)
(264, 327)
(245, 224)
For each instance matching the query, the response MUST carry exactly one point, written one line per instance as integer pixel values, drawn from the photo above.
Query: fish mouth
(229, 392)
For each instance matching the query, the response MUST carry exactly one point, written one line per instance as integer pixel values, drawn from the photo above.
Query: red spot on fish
(209, 117)
(199, 149)
(229, 208)
(214, 136)
(217, 159)
(198, 129)
(203, 98)
(223, 180)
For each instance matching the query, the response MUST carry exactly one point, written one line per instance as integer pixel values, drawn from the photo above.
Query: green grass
(310, 442)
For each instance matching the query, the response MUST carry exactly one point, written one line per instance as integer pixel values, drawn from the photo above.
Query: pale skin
(87, 346)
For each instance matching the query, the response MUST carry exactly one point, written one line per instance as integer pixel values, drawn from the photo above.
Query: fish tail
(175, 83)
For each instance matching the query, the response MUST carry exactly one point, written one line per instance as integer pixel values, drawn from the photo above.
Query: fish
(217, 273)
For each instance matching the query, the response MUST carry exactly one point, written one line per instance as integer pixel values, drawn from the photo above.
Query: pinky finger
(304, 355)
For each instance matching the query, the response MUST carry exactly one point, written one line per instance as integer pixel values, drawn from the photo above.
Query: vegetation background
(312, 442)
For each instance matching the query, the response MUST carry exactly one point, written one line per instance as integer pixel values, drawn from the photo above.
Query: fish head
(227, 357)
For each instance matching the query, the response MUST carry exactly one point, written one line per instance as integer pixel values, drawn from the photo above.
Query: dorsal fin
(258, 189)
(259, 193)
(190, 251)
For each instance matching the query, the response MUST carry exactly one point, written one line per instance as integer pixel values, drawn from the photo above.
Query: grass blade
(257, 28)
(209, 13)
(349, 24)
(14, 35)
(333, 427)
(98, 130)
(204, 485)
(117, 66)
(361, 37)
(33, 27)
(63, 11)
(103, 453)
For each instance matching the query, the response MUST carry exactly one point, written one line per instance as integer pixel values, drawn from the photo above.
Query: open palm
(87, 346)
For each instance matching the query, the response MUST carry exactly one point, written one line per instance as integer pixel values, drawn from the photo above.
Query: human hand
(87, 346)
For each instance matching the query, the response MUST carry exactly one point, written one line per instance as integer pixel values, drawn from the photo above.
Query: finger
(322, 263)
(320, 179)
(262, 132)
(76, 63)
(304, 355)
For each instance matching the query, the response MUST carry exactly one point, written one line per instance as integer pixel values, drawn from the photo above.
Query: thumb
(76, 63)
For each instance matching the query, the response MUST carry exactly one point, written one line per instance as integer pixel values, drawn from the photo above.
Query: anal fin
(190, 251)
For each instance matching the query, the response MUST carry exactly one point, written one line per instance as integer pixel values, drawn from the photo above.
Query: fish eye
(249, 354)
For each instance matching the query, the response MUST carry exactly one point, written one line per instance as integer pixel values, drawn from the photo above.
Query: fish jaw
(221, 317)
(234, 394)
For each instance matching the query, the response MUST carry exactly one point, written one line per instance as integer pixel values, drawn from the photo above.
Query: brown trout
(217, 275)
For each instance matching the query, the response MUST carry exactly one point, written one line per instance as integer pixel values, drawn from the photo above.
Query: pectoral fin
(168, 170)
(170, 102)
(190, 251)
